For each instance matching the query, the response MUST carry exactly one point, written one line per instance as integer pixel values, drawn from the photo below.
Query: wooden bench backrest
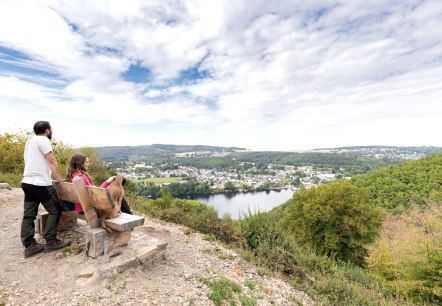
(100, 197)
(67, 192)
(89, 197)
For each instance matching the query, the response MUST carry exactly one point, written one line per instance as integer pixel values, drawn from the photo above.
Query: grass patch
(250, 284)
(295, 300)
(223, 290)
(209, 237)
(67, 249)
(247, 301)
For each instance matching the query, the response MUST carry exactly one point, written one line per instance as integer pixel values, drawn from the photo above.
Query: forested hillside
(397, 187)
(155, 151)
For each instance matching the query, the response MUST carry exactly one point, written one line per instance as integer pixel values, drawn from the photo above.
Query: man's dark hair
(40, 127)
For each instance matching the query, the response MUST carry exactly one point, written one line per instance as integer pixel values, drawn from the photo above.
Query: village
(281, 177)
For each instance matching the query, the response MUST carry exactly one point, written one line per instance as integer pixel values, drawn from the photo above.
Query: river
(238, 203)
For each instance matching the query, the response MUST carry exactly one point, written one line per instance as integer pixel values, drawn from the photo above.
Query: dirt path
(53, 278)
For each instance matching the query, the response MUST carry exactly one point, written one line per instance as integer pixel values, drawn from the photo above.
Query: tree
(296, 182)
(98, 170)
(335, 219)
(229, 186)
(11, 156)
(11, 152)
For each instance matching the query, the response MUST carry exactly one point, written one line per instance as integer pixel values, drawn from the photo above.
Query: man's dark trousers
(34, 195)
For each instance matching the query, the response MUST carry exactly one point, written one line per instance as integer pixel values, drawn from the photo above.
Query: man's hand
(110, 179)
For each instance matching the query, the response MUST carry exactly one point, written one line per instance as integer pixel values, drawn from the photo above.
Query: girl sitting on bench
(78, 167)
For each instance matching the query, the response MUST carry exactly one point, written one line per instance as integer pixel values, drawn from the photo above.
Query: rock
(127, 264)
(187, 275)
(87, 271)
(15, 283)
(5, 186)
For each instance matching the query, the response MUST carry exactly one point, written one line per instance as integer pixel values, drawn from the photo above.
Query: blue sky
(264, 75)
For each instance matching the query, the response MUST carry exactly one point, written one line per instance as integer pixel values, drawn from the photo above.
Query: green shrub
(12, 147)
(335, 219)
(259, 231)
(13, 179)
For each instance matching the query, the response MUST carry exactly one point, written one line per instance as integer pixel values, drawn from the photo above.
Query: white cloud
(280, 75)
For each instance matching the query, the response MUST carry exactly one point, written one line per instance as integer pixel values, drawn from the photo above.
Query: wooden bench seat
(92, 198)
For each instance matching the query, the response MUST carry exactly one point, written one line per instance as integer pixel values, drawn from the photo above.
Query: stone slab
(5, 186)
(127, 264)
(146, 252)
(86, 271)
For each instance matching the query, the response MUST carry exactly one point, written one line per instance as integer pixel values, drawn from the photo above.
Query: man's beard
(49, 136)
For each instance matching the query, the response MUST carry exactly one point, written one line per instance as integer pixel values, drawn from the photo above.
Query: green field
(159, 180)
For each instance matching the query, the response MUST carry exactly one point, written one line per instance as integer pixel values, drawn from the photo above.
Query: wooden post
(100, 242)
(86, 203)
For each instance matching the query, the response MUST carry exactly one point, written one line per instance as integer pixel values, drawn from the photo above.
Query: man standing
(40, 163)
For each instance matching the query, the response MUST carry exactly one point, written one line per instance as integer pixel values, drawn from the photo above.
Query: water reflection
(236, 204)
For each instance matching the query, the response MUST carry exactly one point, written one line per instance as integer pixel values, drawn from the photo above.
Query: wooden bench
(91, 198)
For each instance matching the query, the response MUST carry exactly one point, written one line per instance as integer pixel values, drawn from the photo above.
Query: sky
(262, 75)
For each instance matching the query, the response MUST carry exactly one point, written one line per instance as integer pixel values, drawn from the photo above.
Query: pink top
(87, 182)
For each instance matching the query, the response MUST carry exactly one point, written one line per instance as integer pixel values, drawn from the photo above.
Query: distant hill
(385, 150)
(396, 187)
(155, 150)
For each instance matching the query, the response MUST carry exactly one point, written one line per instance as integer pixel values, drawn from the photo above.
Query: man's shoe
(56, 245)
(34, 249)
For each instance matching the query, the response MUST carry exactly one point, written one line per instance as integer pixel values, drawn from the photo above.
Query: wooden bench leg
(40, 223)
(100, 242)
(42, 219)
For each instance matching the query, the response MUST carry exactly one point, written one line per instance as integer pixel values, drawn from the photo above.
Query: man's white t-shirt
(37, 171)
